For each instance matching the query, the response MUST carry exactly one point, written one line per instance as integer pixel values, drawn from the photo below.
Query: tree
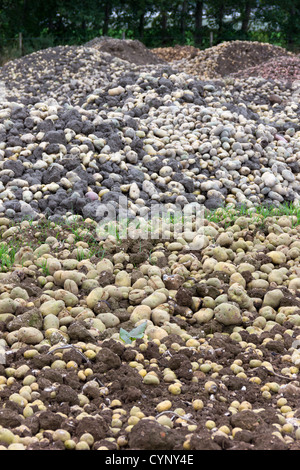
(282, 20)
(198, 33)
(155, 22)
(183, 18)
(247, 7)
(216, 11)
(133, 17)
(106, 9)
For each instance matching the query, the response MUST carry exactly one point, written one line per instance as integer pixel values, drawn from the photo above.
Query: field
(126, 321)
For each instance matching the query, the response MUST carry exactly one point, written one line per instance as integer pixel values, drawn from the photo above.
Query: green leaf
(124, 335)
(138, 332)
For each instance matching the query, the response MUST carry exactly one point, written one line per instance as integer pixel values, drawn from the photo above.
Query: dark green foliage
(156, 23)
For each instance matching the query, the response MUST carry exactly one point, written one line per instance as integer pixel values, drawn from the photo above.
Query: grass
(258, 215)
(44, 268)
(37, 232)
(7, 256)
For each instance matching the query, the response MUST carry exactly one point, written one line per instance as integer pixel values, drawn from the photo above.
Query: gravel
(217, 366)
(83, 131)
(224, 59)
(284, 67)
(131, 50)
(155, 136)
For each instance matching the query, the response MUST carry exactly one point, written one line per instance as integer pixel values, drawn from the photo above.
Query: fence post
(211, 38)
(21, 43)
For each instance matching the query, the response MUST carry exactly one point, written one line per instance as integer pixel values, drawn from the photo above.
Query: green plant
(43, 266)
(129, 336)
(227, 216)
(7, 256)
(151, 261)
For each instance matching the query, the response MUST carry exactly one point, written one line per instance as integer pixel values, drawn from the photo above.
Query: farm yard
(128, 323)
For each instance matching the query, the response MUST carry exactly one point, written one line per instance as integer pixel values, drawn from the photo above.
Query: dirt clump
(126, 49)
(284, 68)
(222, 60)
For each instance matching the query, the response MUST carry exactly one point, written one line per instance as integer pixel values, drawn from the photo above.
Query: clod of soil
(221, 60)
(132, 50)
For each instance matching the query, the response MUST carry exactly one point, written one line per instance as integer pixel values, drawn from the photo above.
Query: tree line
(157, 23)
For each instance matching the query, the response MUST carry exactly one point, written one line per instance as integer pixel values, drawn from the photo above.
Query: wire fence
(19, 46)
(13, 48)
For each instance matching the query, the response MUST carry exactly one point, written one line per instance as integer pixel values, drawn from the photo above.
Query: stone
(92, 196)
(150, 435)
(109, 319)
(52, 307)
(228, 314)
(155, 299)
(51, 321)
(7, 306)
(288, 176)
(204, 315)
(30, 335)
(31, 318)
(77, 331)
(277, 257)
(123, 279)
(272, 298)
(269, 179)
(94, 297)
(246, 420)
(141, 312)
(116, 91)
(19, 293)
(132, 157)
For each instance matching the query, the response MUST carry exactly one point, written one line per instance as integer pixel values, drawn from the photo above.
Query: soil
(176, 52)
(284, 68)
(223, 59)
(131, 50)
(239, 55)
(112, 368)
